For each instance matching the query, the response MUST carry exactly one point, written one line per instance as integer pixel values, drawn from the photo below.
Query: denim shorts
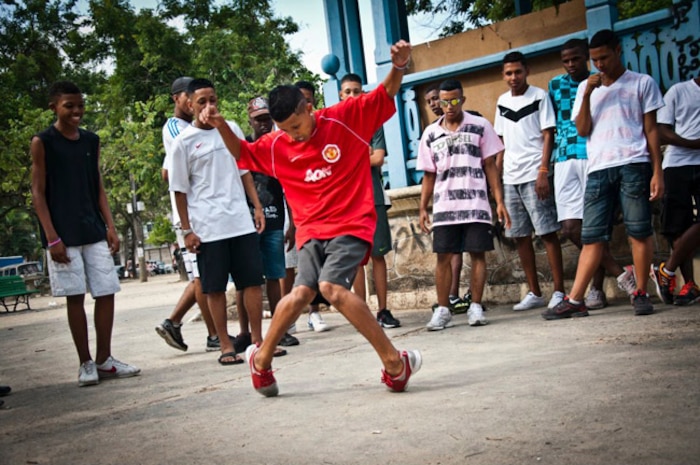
(629, 183)
(527, 212)
(272, 249)
(91, 267)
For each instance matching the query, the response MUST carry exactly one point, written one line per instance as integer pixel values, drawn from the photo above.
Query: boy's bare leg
(642, 253)
(526, 252)
(478, 277)
(358, 286)
(203, 306)
(186, 301)
(104, 322)
(682, 253)
(217, 306)
(287, 312)
(252, 298)
(243, 320)
(359, 315)
(380, 280)
(588, 263)
(77, 322)
(443, 278)
(553, 247)
(456, 265)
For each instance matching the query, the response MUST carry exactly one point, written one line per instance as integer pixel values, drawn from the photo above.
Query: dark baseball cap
(180, 85)
(258, 106)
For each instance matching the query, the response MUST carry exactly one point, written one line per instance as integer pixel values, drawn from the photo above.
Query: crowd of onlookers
(298, 205)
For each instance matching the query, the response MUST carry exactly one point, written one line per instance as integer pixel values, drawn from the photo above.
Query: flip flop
(279, 352)
(236, 360)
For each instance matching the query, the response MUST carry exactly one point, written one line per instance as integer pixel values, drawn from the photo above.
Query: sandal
(236, 359)
(279, 352)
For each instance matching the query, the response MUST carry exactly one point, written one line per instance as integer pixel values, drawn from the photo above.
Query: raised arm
(584, 123)
(400, 57)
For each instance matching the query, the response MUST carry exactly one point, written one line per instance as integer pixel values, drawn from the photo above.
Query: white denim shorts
(91, 268)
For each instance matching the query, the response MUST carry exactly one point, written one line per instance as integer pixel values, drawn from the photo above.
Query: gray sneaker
(641, 303)
(171, 334)
(87, 374)
(441, 319)
(595, 300)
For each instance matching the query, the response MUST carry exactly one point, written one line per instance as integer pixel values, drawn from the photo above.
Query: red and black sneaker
(565, 309)
(263, 381)
(689, 294)
(412, 361)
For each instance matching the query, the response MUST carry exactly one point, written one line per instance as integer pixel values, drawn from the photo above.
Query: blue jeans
(629, 184)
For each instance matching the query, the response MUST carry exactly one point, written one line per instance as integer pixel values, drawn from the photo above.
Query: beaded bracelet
(56, 242)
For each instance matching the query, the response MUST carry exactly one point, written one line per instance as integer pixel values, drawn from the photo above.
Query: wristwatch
(186, 232)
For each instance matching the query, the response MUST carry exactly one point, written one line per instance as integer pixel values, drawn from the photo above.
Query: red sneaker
(263, 381)
(412, 361)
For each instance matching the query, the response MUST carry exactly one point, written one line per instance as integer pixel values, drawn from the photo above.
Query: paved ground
(608, 389)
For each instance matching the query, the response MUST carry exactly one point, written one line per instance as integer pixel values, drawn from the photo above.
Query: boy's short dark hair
(448, 85)
(515, 57)
(284, 101)
(306, 85)
(199, 83)
(432, 87)
(575, 43)
(351, 77)
(59, 88)
(604, 38)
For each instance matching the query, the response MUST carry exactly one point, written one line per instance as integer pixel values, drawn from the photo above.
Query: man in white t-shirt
(525, 121)
(679, 127)
(616, 110)
(457, 154)
(215, 219)
(170, 329)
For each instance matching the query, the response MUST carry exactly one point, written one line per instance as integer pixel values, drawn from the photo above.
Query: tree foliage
(124, 61)
(467, 14)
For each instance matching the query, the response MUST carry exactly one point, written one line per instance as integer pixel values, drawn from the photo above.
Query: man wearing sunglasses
(458, 155)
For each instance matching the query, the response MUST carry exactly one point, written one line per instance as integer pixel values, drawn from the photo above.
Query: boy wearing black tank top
(77, 229)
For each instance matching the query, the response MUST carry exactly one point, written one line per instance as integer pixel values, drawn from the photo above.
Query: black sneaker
(288, 340)
(387, 320)
(214, 344)
(565, 309)
(172, 335)
(641, 303)
(241, 342)
(664, 282)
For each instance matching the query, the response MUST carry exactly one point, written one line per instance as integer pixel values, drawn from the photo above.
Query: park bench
(14, 287)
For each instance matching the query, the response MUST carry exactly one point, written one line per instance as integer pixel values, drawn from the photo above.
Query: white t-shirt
(520, 120)
(171, 129)
(617, 114)
(682, 111)
(204, 169)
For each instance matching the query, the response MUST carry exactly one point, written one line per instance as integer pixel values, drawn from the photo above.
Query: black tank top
(72, 187)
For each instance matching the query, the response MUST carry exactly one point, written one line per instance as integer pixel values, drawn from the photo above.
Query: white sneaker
(292, 329)
(316, 322)
(441, 319)
(529, 302)
(113, 368)
(627, 281)
(475, 315)
(557, 297)
(87, 374)
(595, 300)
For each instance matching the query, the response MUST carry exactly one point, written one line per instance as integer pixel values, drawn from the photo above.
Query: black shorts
(464, 237)
(681, 200)
(382, 235)
(238, 257)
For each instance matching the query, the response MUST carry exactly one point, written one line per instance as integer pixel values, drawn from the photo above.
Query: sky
(312, 38)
